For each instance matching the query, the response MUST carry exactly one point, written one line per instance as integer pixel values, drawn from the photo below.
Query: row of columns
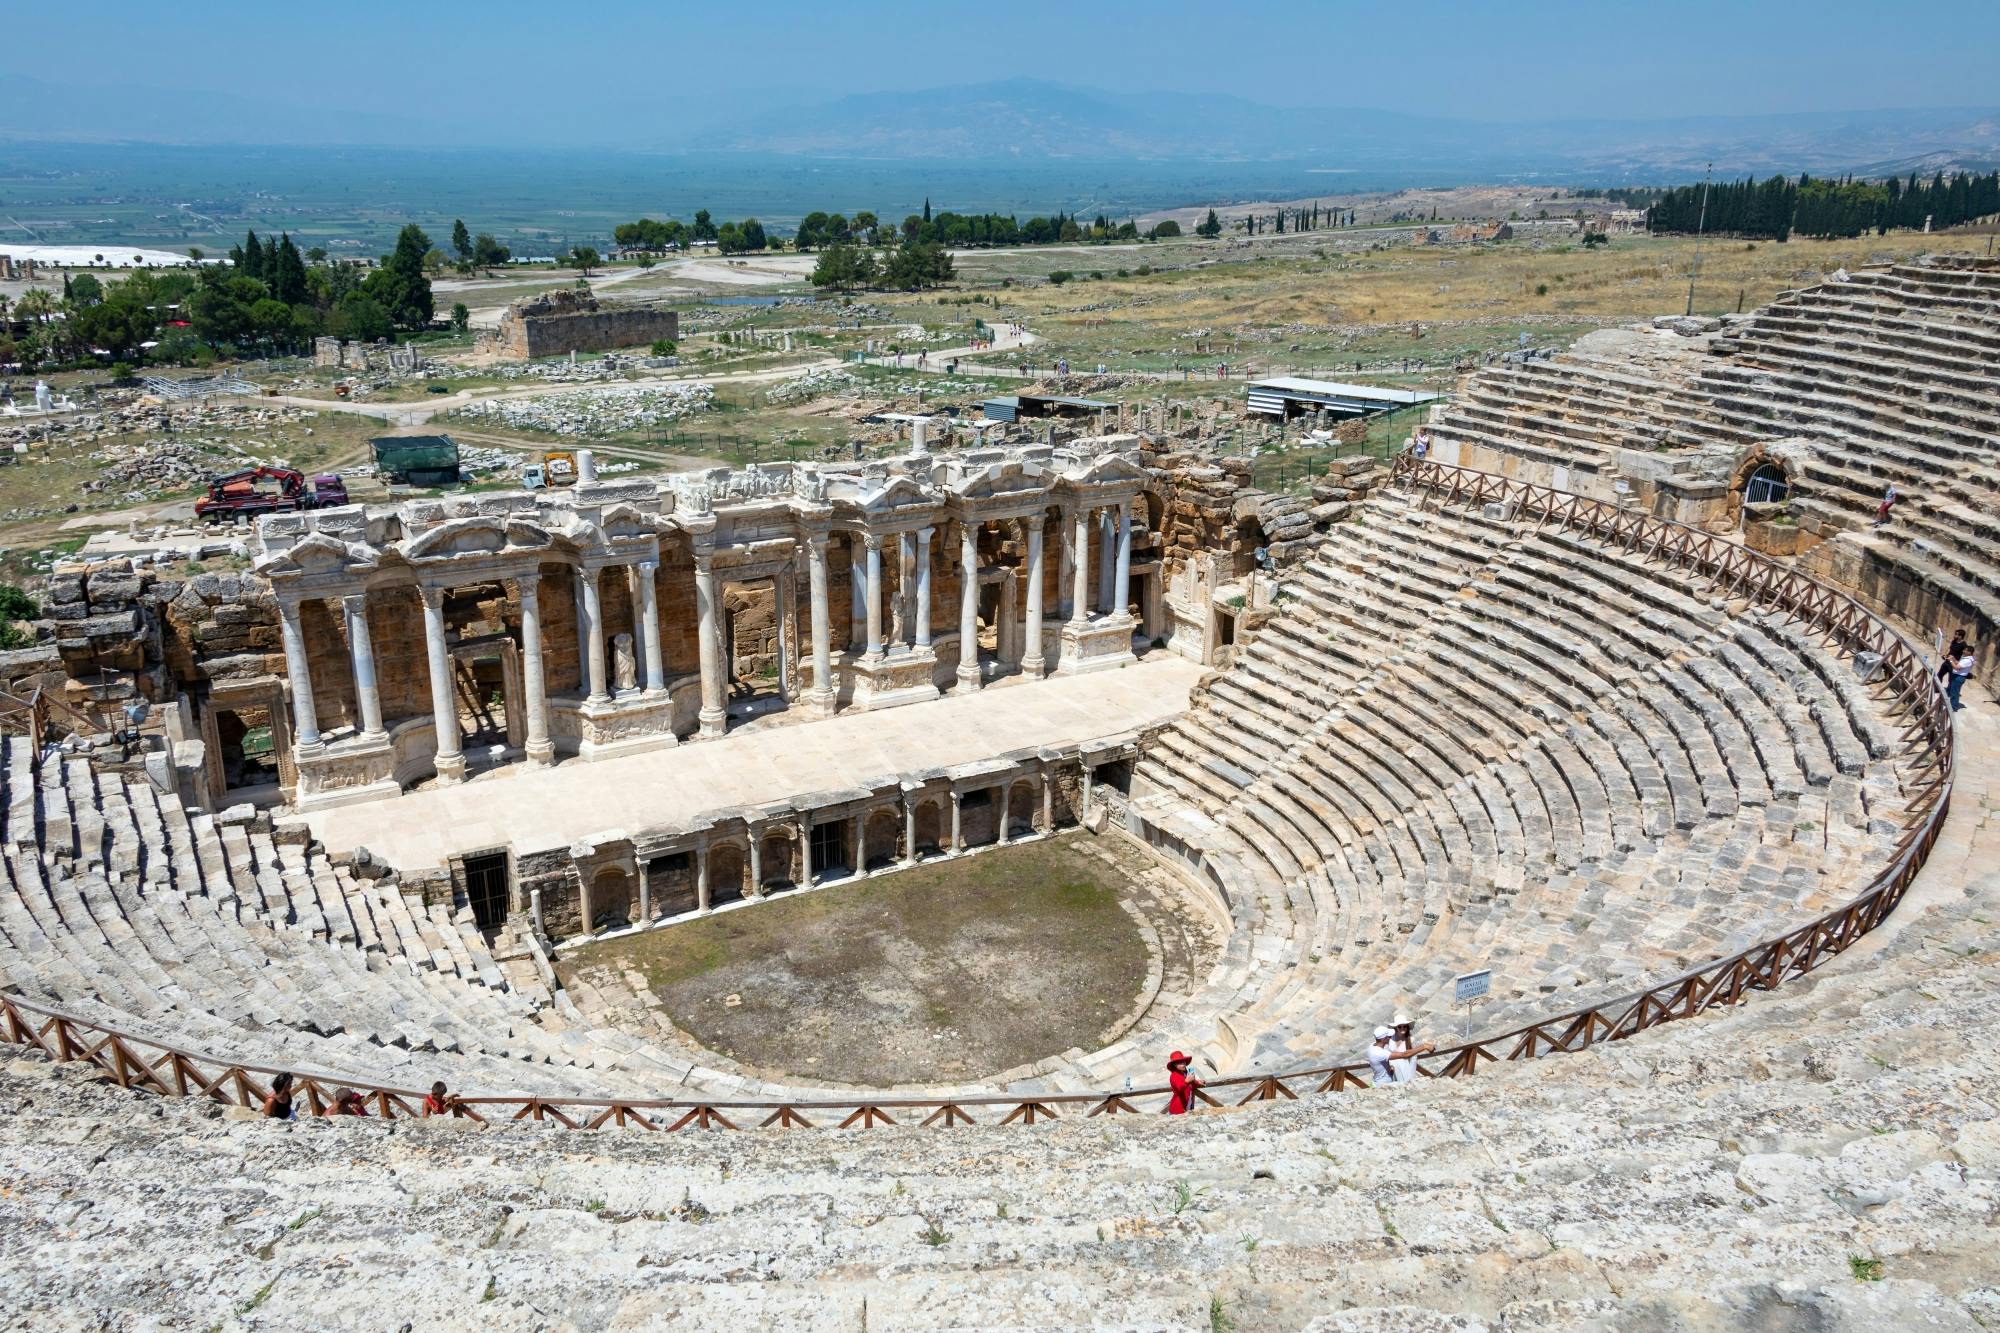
(914, 557)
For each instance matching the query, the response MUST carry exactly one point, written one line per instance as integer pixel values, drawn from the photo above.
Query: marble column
(714, 715)
(701, 877)
(923, 616)
(756, 887)
(1003, 803)
(785, 599)
(874, 596)
(906, 608)
(857, 583)
(534, 683)
(305, 717)
(968, 605)
(1048, 803)
(594, 644)
(645, 897)
(444, 703)
(1007, 635)
(361, 649)
(582, 632)
(909, 830)
(1032, 661)
(649, 626)
(1121, 575)
(1065, 566)
(1079, 592)
(1105, 558)
(823, 691)
(957, 836)
(860, 848)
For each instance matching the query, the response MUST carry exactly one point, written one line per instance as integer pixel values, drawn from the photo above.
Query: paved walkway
(1964, 863)
(533, 810)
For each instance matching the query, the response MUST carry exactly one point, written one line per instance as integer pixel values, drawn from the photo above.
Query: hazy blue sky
(1527, 59)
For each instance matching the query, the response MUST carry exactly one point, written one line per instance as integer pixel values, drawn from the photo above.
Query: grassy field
(951, 970)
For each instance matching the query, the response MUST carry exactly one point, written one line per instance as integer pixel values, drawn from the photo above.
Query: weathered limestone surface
(1826, 1157)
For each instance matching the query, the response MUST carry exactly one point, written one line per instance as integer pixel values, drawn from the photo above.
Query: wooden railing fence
(147, 1064)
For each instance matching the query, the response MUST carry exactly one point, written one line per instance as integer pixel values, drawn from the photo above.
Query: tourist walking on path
(1184, 1084)
(1961, 667)
(278, 1106)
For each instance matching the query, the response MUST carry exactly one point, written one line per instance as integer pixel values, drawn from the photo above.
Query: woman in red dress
(1184, 1085)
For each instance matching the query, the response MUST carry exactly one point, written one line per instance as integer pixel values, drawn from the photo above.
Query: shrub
(1541, 289)
(663, 347)
(1060, 276)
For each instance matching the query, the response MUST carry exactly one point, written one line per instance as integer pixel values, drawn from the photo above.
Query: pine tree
(461, 241)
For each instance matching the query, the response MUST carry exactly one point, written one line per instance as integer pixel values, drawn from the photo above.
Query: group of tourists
(1392, 1062)
(1955, 665)
(279, 1105)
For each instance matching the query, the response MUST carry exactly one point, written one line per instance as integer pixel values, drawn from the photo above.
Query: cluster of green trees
(1773, 209)
(274, 303)
(909, 267)
(820, 230)
(729, 237)
(270, 299)
(476, 252)
(1310, 218)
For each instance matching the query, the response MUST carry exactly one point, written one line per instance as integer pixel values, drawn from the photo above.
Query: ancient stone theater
(1588, 762)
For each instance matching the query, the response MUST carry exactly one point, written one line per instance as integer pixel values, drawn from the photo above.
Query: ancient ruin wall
(560, 322)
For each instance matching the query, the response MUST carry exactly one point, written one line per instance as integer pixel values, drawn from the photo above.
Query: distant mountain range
(1023, 121)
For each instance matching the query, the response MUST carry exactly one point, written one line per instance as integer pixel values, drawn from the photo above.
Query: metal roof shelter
(1016, 406)
(1289, 397)
(416, 460)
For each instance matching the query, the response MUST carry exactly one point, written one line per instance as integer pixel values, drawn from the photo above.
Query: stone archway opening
(882, 839)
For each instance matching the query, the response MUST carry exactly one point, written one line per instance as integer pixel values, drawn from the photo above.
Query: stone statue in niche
(624, 666)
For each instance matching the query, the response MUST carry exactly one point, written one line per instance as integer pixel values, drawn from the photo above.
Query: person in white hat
(1378, 1057)
(1405, 1049)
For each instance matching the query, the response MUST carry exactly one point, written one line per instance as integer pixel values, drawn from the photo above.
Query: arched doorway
(1767, 484)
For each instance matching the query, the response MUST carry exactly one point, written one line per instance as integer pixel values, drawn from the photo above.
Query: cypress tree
(253, 256)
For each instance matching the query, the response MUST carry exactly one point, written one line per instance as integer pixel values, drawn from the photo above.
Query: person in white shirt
(1961, 669)
(1378, 1058)
(1403, 1058)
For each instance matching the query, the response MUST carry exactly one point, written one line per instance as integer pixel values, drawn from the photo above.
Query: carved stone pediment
(1106, 470)
(999, 479)
(318, 555)
(894, 493)
(478, 535)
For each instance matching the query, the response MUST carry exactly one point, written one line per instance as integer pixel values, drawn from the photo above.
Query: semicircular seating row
(1467, 743)
(125, 907)
(1888, 373)
(1458, 742)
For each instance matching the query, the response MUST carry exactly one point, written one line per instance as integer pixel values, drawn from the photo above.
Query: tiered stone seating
(1825, 1156)
(1534, 753)
(1888, 375)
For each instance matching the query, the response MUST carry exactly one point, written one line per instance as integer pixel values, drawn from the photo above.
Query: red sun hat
(1178, 1058)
